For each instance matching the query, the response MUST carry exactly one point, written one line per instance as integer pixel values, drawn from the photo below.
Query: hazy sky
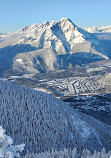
(15, 14)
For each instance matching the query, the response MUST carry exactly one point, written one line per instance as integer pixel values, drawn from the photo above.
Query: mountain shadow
(8, 53)
(97, 102)
(56, 29)
(66, 61)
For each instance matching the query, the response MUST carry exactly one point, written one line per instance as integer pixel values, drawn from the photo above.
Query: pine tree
(6, 148)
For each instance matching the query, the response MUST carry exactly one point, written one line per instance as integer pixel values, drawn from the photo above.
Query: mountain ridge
(69, 45)
(99, 29)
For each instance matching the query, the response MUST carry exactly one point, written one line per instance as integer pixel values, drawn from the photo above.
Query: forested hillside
(43, 122)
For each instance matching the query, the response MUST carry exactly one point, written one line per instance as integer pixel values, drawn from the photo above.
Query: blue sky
(15, 14)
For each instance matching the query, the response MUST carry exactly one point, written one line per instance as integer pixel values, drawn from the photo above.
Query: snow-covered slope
(43, 122)
(4, 36)
(61, 43)
(99, 29)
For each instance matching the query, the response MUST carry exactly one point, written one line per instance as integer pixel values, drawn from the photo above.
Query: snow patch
(82, 128)
(19, 60)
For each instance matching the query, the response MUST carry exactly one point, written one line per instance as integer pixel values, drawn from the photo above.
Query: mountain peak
(64, 19)
(99, 29)
(33, 26)
(67, 21)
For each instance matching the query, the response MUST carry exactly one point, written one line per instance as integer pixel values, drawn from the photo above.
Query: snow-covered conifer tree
(6, 148)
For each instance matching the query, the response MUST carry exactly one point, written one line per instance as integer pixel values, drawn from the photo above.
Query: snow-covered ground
(43, 90)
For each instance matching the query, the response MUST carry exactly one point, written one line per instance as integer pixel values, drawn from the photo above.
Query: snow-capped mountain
(49, 46)
(99, 29)
(43, 122)
(2, 36)
(5, 35)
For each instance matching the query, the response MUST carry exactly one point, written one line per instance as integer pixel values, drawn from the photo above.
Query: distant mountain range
(48, 47)
(100, 29)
